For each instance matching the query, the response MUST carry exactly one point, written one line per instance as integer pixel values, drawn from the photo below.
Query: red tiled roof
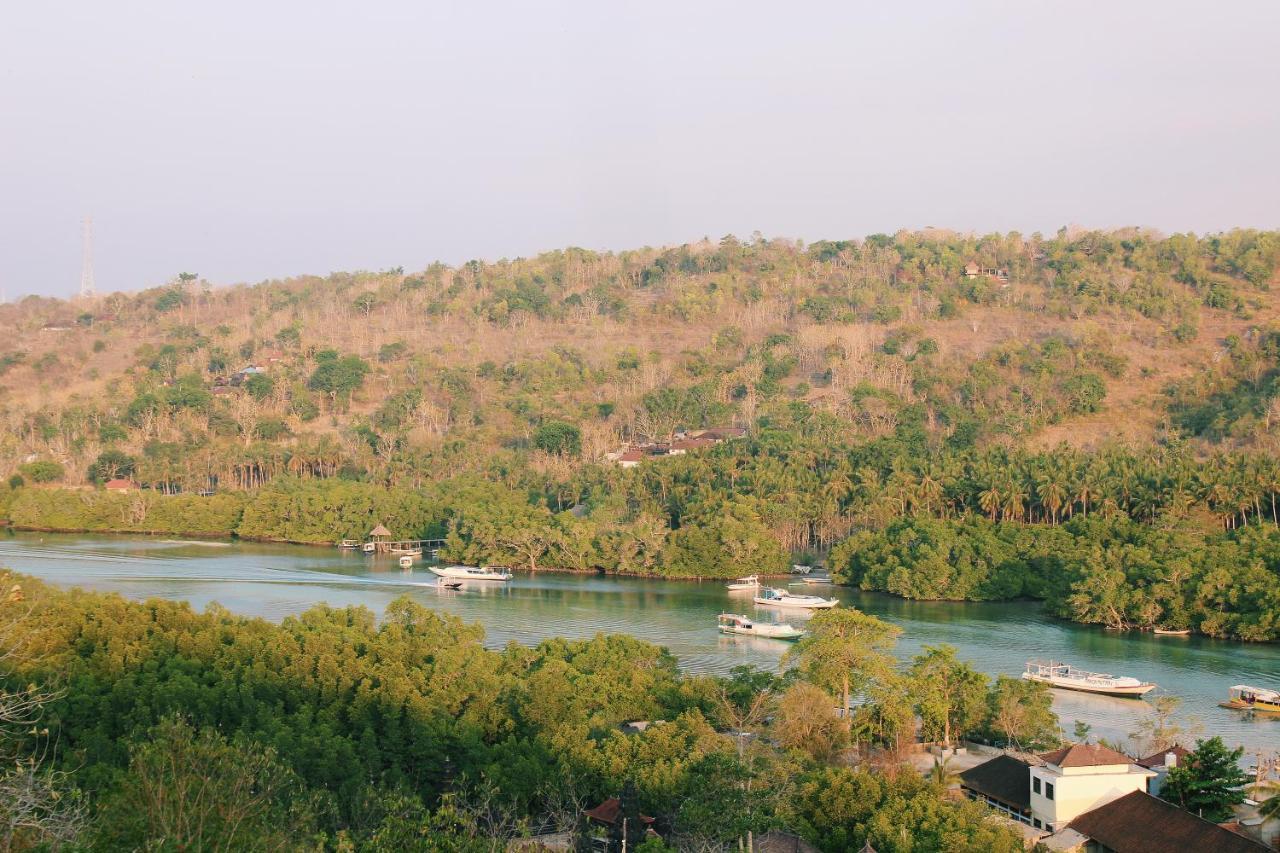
(1157, 759)
(1085, 755)
(1141, 823)
(632, 456)
(120, 483)
(607, 812)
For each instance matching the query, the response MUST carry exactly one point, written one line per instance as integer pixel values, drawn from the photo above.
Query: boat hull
(752, 632)
(1261, 707)
(1135, 692)
(453, 573)
(796, 603)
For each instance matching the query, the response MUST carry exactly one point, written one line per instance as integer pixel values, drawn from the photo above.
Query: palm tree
(991, 500)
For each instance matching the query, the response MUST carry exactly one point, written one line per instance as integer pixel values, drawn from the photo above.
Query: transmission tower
(86, 263)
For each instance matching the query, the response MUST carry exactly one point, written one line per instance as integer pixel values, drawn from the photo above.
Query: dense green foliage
(339, 731)
(1209, 782)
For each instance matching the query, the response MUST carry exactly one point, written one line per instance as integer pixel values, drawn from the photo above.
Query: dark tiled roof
(1157, 759)
(1085, 755)
(1141, 823)
(1003, 778)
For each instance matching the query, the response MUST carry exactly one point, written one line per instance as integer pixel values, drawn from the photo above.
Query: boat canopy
(1258, 692)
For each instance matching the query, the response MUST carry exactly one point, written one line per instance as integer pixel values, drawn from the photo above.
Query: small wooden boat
(406, 562)
(408, 552)
(1171, 632)
(818, 580)
(749, 582)
(448, 584)
(349, 544)
(732, 623)
(1068, 677)
(774, 597)
(1246, 698)
(472, 573)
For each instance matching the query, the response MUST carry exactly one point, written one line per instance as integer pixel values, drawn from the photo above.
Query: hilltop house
(973, 270)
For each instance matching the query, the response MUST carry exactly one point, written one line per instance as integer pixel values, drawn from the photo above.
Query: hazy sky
(247, 140)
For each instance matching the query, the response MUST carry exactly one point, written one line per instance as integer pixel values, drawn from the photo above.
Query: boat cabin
(1253, 698)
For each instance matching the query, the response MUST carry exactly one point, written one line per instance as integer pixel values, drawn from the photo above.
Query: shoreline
(232, 538)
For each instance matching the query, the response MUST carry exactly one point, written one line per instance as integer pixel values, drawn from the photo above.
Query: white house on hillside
(1078, 778)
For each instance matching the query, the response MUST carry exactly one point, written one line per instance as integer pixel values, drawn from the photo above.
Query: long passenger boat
(1068, 677)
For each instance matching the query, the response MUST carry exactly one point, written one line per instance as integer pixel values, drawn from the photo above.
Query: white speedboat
(1068, 677)
(369, 547)
(818, 580)
(749, 582)
(774, 597)
(473, 573)
(406, 562)
(731, 623)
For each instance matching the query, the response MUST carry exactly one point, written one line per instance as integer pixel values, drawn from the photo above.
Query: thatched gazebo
(379, 536)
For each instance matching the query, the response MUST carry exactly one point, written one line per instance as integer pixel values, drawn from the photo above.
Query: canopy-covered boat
(1069, 677)
(1246, 698)
(406, 562)
(749, 582)
(473, 573)
(774, 597)
(732, 623)
(349, 544)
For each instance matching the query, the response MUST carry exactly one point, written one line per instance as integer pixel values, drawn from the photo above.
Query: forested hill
(1085, 337)
(992, 417)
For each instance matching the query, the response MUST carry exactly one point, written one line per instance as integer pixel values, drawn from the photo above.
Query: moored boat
(774, 597)
(406, 562)
(1246, 698)
(1171, 632)
(473, 573)
(749, 582)
(406, 552)
(369, 547)
(817, 580)
(732, 623)
(1068, 677)
(349, 544)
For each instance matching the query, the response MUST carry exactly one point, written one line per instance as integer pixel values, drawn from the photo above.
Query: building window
(1036, 822)
(1035, 784)
(1048, 790)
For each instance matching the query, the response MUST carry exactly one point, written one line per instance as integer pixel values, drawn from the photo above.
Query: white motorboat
(749, 582)
(406, 562)
(774, 597)
(473, 573)
(1068, 677)
(732, 623)
(369, 547)
(349, 544)
(818, 580)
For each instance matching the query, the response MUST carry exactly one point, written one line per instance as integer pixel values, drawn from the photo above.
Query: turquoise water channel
(275, 581)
